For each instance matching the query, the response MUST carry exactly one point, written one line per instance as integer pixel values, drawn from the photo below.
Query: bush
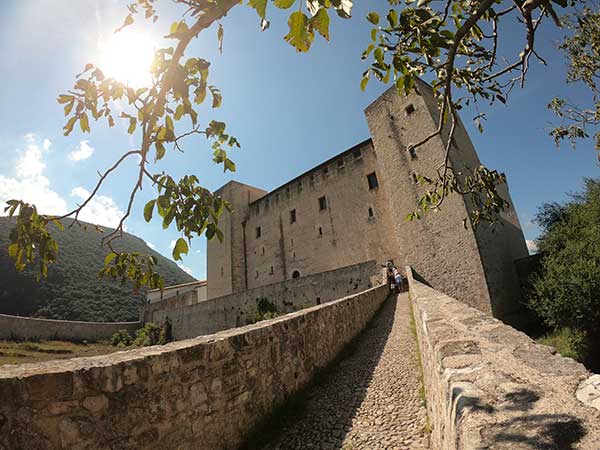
(121, 338)
(265, 309)
(566, 291)
(147, 335)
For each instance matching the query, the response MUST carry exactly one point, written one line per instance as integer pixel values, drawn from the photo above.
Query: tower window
(372, 180)
(295, 274)
(322, 203)
(262, 250)
(293, 216)
(413, 152)
(357, 153)
(258, 232)
(409, 109)
(320, 231)
(221, 271)
(371, 212)
(271, 271)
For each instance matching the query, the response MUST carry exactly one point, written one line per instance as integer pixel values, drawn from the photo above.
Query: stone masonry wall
(28, 328)
(235, 310)
(490, 386)
(202, 393)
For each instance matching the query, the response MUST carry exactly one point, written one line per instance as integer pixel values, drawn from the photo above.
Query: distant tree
(566, 292)
(457, 43)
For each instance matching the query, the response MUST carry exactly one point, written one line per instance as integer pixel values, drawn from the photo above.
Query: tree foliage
(456, 43)
(566, 292)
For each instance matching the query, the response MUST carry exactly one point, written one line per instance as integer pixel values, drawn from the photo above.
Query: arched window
(296, 274)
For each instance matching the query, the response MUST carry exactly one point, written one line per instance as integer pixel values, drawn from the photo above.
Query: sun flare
(127, 57)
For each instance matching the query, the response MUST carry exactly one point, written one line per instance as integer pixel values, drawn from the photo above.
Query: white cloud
(151, 245)
(84, 151)
(31, 161)
(46, 144)
(531, 246)
(101, 210)
(172, 245)
(29, 184)
(185, 269)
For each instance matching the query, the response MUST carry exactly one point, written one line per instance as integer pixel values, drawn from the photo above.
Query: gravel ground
(371, 399)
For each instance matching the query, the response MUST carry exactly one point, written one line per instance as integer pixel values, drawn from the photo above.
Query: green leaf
(160, 150)
(109, 258)
(132, 125)
(69, 125)
(260, 6)
(300, 36)
(320, 22)
(148, 210)
(373, 17)
(284, 4)
(365, 81)
(65, 99)
(181, 246)
(169, 123)
(229, 165)
(84, 123)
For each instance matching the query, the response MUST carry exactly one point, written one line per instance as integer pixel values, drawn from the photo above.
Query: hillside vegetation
(73, 290)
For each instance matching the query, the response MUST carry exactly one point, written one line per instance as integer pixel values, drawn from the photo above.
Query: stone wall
(490, 386)
(202, 393)
(235, 310)
(28, 328)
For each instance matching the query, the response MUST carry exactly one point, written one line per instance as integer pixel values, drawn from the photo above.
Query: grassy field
(24, 352)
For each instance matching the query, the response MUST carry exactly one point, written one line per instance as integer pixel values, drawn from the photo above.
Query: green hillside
(73, 290)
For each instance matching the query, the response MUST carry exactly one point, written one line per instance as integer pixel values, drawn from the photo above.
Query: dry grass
(12, 352)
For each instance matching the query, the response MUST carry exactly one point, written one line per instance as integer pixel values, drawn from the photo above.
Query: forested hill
(73, 290)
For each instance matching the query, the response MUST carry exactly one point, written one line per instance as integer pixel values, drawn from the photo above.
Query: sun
(127, 57)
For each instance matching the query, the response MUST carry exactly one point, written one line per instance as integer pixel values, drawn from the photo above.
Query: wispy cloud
(84, 151)
(101, 210)
(28, 182)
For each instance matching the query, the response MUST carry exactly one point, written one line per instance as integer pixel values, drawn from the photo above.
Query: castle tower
(474, 266)
(226, 270)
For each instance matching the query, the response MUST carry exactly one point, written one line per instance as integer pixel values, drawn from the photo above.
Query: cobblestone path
(371, 399)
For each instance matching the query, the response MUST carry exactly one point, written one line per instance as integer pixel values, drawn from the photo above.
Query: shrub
(149, 334)
(121, 338)
(265, 309)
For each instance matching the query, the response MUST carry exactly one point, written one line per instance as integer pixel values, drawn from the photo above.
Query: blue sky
(290, 111)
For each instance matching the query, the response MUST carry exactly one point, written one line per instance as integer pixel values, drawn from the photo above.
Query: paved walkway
(371, 399)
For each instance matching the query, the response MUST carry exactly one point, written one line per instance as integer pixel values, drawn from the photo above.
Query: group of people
(394, 278)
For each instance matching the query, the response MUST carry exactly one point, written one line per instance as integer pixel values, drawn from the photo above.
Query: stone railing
(490, 386)
(202, 393)
(29, 328)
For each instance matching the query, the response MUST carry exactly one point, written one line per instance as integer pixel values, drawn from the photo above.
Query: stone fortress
(351, 209)
(314, 247)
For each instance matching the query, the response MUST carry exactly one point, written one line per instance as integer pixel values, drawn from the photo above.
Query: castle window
(293, 216)
(318, 300)
(271, 271)
(409, 109)
(372, 180)
(413, 152)
(292, 241)
(221, 271)
(258, 232)
(357, 153)
(322, 203)
(320, 231)
(371, 214)
(293, 255)
(262, 250)
(325, 170)
(340, 163)
(256, 274)
(296, 274)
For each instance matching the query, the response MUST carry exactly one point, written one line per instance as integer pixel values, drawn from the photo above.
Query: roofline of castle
(200, 283)
(316, 168)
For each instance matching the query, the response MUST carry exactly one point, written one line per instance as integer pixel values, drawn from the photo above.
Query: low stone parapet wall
(202, 393)
(29, 328)
(489, 386)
